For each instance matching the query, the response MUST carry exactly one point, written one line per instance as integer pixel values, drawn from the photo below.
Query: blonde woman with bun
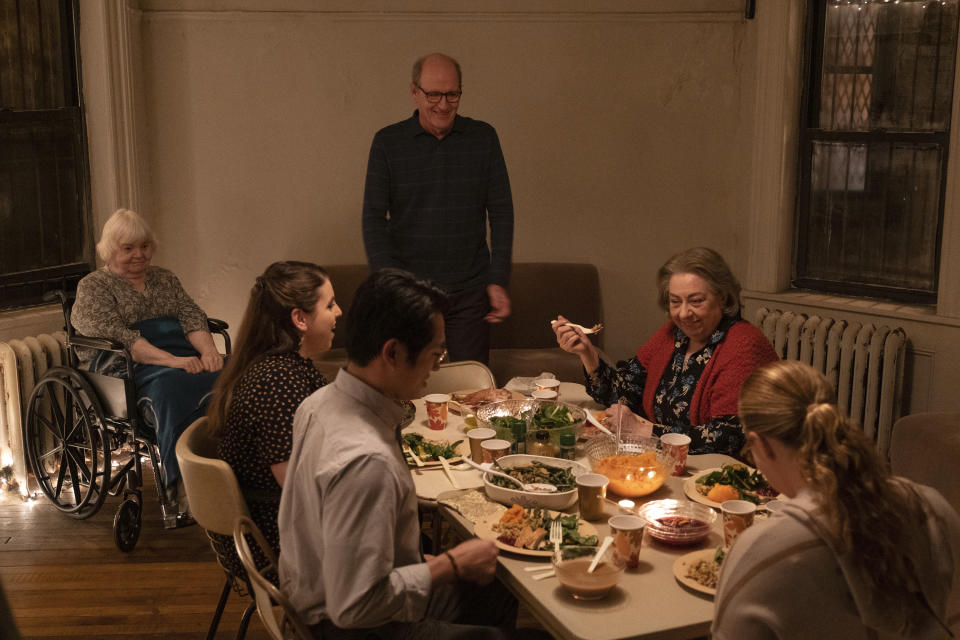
(855, 552)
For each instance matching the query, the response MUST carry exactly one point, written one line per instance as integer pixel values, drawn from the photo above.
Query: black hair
(392, 303)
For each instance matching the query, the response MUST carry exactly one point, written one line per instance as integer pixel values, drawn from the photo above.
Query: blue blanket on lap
(176, 397)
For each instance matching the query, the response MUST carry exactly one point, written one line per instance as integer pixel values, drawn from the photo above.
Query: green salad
(751, 485)
(537, 472)
(550, 416)
(429, 451)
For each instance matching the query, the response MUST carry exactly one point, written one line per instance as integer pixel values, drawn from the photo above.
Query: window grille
(44, 193)
(877, 106)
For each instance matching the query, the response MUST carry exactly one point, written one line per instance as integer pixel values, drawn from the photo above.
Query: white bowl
(530, 499)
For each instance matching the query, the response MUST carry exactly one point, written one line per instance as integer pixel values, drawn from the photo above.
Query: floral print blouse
(721, 434)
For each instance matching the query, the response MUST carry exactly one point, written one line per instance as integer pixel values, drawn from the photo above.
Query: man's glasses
(442, 357)
(433, 97)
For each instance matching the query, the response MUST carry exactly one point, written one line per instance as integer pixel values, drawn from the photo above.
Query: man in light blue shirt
(350, 557)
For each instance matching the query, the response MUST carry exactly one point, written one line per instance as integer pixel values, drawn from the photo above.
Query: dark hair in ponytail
(865, 511)
(267, 327)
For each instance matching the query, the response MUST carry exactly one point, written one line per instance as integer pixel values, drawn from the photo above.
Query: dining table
(649, 602)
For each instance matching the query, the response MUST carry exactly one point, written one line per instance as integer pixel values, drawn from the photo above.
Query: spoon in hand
(537, 487)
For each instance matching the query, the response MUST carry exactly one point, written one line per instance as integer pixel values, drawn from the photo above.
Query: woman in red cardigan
(686, 378)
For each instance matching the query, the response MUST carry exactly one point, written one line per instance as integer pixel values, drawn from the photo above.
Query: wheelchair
(85, 436)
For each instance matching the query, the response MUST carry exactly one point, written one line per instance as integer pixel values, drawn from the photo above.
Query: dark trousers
(455, 611)
(468, 334)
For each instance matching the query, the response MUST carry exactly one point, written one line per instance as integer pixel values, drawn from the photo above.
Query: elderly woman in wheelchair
(145, 309)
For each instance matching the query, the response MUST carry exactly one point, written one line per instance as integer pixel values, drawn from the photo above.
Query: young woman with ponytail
(290, 320)
(856, 552)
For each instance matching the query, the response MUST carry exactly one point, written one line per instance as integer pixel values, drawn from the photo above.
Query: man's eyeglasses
(442, 357)
(433, 97)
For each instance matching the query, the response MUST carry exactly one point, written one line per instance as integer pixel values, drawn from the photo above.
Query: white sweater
(782, 580)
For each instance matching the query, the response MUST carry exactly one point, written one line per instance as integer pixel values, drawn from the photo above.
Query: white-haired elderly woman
(146, 309)
(686, 377)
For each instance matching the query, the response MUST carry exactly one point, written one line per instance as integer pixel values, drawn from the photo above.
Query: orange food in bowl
(723, 492)
(632, 476)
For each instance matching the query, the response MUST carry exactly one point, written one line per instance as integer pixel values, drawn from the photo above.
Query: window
(873, 145)
(44, 186)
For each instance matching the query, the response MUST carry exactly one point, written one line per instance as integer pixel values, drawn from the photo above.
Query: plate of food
(729, 482)
(468, 401)
(699, 570)
(526, 531)
(430, 451)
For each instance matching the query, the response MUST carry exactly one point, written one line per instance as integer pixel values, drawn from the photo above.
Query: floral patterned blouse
(721, 434)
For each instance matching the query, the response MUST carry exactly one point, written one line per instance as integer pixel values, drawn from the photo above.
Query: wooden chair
(458, 376)
(288, 625)
(215, 502)
(925, 448)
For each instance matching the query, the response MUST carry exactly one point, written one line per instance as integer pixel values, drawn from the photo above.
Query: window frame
(23, 289)
(811, 74)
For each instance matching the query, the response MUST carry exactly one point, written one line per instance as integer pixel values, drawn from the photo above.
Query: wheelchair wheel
(126, 525)
(66, 447)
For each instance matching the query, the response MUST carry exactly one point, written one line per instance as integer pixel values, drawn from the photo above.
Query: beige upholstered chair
(215, 502)
(265, 594)
(925, 448)
(458, 376)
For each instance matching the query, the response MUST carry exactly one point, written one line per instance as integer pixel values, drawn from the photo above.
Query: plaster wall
(623, 135)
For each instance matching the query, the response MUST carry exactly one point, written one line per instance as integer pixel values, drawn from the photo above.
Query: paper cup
(493, 449)
(627, 532)
(476, 438)
(737, 516)
(548, 384)
(591, 490)
(437, 410)
(675, 447)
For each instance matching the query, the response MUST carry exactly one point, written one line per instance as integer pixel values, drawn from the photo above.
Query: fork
(597, 328)
(556, 536)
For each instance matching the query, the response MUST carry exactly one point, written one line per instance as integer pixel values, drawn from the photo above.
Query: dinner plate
(483, 529)
(683, 564)
(463, 449)
(690, 488)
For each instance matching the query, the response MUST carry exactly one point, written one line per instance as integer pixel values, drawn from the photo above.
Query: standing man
(433, 181)
(351, 562)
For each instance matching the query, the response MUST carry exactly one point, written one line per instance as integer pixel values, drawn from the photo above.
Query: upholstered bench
(524, 344)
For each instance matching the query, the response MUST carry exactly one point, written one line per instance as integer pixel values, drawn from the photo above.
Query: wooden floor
(64, 578)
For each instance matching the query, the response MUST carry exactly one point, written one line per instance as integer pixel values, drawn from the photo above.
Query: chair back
(460, 376)
(212, 488)
(264, 593)
(925, 448)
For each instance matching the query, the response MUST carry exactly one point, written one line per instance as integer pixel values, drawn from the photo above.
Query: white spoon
(603, 549)
(592, 420)
(537, 487)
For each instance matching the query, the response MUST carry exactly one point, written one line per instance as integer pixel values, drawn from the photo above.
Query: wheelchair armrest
(101, 344)
(217, 326)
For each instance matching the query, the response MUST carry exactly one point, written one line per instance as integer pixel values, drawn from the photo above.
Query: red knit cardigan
(742, 350)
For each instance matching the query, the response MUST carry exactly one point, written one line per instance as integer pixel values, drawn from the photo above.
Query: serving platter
(483, 529)
(468, 408)
(683, 564)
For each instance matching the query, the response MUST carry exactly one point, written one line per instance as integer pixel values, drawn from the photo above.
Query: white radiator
(863, 362)
(22, 363)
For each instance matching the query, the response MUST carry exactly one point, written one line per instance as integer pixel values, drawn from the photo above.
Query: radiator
(22, 363)
(864, 363)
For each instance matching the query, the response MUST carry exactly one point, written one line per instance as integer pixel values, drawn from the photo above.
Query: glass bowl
(636, 468)
(518, 409)
(571, 566)
(678, 522)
